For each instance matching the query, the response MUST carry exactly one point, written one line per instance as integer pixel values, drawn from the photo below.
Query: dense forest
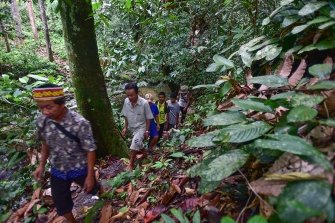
(258, 141)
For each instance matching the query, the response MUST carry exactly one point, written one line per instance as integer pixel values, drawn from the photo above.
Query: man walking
(67, 141)
(137, 113)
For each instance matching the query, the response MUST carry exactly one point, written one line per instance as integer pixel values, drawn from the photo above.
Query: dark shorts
(61, 194)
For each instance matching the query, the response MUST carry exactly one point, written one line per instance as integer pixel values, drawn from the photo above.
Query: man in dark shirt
(67, 141)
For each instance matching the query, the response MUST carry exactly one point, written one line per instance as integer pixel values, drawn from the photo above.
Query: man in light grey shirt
(137, 113)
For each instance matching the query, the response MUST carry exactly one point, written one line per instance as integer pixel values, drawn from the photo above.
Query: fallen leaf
(106, 213)
(189, 191)
(36, 194)
(190, 204)
(176, 188)
(298, 73)
(133, 197)
(154, 213)
(286, 67)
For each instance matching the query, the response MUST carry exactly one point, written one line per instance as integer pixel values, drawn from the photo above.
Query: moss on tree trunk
(87, 76)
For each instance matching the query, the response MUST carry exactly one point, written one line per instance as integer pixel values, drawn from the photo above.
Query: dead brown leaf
(154, 213)
(176, 188)
(106, 213)
(298, 73)
(286, 67)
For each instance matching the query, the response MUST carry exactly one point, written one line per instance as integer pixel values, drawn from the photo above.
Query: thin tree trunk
(5, 36)
(32, 18)
(46, 29)
(17, 19)
(87, 76)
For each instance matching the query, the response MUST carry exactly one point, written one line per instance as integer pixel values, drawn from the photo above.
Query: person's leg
(160, 133)
(183, 114)
(61, 195)
(153, 142)
(136, 146)
(153, 138)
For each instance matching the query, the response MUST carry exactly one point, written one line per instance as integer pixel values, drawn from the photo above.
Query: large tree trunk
(87, 76)
(5, 36)
(32, 18)
(17, 19)
(46, 29)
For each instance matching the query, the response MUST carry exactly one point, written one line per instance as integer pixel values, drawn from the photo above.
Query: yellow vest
(162, 114)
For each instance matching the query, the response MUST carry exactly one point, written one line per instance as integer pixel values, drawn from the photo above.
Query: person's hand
(38, 172)
(158, 128)
(124, 132)
(89, 183)
(146, 134)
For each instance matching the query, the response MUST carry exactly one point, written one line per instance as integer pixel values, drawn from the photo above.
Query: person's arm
(177, 117)
(157, 122)
(41, 167)
(147, 126)
(124, 130)
(89, 181)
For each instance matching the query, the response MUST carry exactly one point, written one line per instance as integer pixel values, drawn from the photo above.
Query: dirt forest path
(63, 66)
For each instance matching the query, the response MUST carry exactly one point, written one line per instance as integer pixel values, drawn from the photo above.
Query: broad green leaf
(208, 186)
(246, 58)
(224, 118)
(284, 95)
(328, 122)
(225, 89)
(257, 219)
(178, 213)
(326, 25)
(24, 80)
(37, 77)
(196, 217)
(244, 132)
(321, 71)
(298, 29)
(293, 50)
(286, 2)
(223, 61)
(302, 200)
(167, 219)
(17, 93)
(177, 154)
(266, 21)
(205, 86)
(311, 7)
(223, 166)
(212, 67)
(289, 20)
(305, 99)
(301, 114)
(248, 104)
(203, 140)
(268, 52)
(227, 219)
(261, 45)
(326, 44)
(294, 145)
(319, 19)
(270, 80)
(323, 85)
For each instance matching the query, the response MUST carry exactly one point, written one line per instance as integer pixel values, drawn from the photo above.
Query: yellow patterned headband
(48, 94)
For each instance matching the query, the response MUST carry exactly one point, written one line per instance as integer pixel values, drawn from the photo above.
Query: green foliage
(270, 81)
(217, 166)
(181, 217)
(223, 119)
(302, 200)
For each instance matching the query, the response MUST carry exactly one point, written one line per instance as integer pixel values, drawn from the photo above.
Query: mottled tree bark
(87, 76)
(17, 19)
(46, 29)
(31, 14)
(5, 36)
